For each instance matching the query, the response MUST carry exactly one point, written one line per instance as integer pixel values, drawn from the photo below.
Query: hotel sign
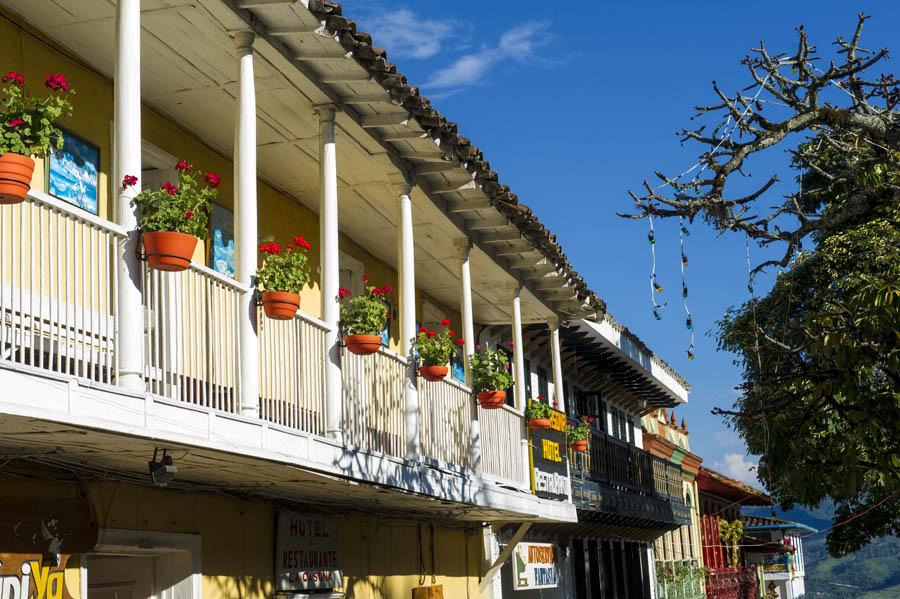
(534, 567)
(549, 469)
(306, 553)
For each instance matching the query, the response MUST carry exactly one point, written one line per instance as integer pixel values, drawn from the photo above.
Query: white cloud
(738, 466)
(517, 44)
(405, 34)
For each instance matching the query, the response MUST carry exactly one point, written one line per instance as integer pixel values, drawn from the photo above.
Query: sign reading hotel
(306, 553)
(548, 459)
(534, 566)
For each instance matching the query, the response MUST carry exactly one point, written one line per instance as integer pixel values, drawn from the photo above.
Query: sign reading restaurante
(306, 553)
(548, 459)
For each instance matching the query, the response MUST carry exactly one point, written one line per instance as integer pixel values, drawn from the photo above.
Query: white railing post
(519, 370)
(246, 232)
(556, 360)
(330, 270)
(127, 91)
(407, 293)
(468, 332)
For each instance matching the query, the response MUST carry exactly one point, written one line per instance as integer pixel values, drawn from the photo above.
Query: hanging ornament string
(688, 318)
(728, 130)
(655, 287)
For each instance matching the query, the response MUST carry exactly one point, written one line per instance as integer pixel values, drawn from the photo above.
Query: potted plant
(173, 218)
(281, 277)
(363, 317)
(27, 130)
(491, 376)
(538, 415)
(579, 433)
(435, 349)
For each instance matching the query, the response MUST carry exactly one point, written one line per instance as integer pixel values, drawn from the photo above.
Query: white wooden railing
(191, 349)
(373, 417)
(502, 431)
(292, 372)
(58, 288)
(446, 409)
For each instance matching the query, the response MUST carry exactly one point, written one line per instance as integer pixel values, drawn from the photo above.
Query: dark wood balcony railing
(732, 583)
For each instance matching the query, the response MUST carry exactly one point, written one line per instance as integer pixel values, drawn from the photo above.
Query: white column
(556, 359)
(518, 350)
(519, 372)
(245, 221)
(329, 270)
(468, 333)
(127, 92)
(407, 292)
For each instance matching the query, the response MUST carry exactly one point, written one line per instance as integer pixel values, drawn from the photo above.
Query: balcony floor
(101, 431)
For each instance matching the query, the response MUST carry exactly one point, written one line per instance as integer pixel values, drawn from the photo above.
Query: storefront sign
(549, 459)
(306, 553)
(534, 566)
(23, 576)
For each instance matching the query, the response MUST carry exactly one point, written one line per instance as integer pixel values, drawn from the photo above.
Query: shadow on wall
(239, 587)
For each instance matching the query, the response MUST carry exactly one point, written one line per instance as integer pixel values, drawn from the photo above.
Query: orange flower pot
(433, 373)
(15, 177)
(280, 305)
(362, 345)
(539, 424)
(169, 251)
(491, 400)
(580, 446)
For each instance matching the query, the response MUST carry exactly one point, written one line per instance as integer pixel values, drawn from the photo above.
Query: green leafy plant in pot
(578, 433)
(172, 219)
(435, 349)
(28, 130)
(491, 375)
(283, 273)
(363, 317)
(538, 414)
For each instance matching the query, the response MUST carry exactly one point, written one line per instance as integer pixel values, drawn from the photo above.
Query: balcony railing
(732, 583)
(679, 580)
(58, 312)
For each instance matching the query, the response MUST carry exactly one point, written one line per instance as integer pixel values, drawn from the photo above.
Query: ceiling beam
(295, 30)
(467, 205)
(368, 99)
(487, 223)
(392, 119)
(260, 3)
(434, 168)
(500, 237)
(357, 77)
(322, 56)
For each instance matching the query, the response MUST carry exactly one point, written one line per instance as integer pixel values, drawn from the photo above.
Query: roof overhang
(719, 485)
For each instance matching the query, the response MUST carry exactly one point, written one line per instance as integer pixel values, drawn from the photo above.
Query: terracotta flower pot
(491, 400)
(580, 446)
(15, 177)
(169, 251)
(280, 305)
(362, 345)
(538, 424)
(433, 373)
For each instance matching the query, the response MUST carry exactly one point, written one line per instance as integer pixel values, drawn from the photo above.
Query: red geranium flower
(183, 166)
(57, 82)
(460, 342)
(388, 289)
(170, 189)
(270, 248)
(365, 279)
(129, 181)
(452, 333)
(343, 292)
(445, 322)
(14, 77)
(189, 214)
(289, 246)
(15, 122)
(423, 330)
(378, 291)
(212, 180)
(301, 242)
(432, 334)
(509, 343)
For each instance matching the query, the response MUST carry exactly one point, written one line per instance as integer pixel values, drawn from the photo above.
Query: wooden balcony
(732, 583)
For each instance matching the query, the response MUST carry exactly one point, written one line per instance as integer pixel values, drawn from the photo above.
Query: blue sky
(574, 107)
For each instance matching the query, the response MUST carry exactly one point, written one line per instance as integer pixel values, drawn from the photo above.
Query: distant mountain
(873, 572)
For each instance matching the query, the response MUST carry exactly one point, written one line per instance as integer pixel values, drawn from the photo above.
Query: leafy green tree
(820, 353)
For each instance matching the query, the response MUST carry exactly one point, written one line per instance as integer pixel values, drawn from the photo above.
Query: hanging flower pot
(15, 177)
(539, 424)
(362, 345)
(580, 446)
(433, 373)
(282, 275)
(280, 305)
(169, 251)
(491, 400)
